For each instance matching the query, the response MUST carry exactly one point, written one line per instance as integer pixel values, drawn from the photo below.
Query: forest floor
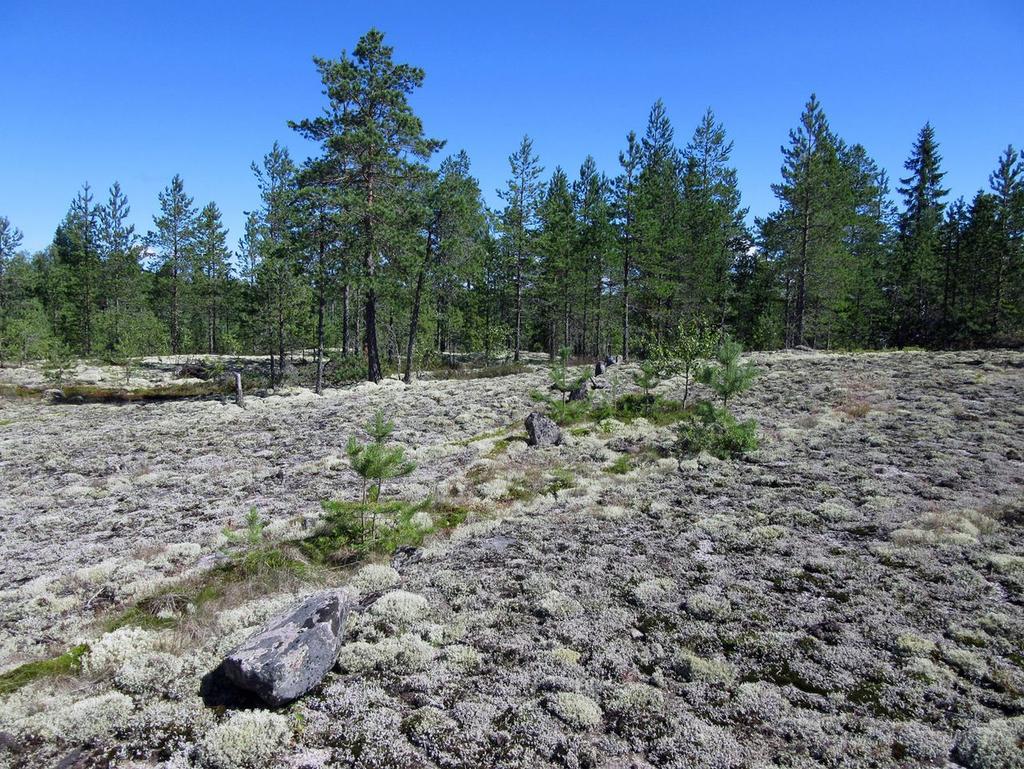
(849, 595)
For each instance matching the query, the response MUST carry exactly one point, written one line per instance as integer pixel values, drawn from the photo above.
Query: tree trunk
(321, 277)
(519, 306)
(344, 320)
(414, 322)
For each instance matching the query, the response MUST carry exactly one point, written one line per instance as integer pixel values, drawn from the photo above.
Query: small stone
(53, 395)
(542, 431)
(293, 652)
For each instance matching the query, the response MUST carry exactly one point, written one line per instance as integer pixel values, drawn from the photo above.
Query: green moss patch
(67, 664)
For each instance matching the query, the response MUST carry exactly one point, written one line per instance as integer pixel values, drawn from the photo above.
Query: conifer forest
(381, 248)
(667, 461)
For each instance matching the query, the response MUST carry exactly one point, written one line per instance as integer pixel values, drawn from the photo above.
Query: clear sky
(139, 91)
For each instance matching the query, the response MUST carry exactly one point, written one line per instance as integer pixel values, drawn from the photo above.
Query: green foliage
(67, 664)
(562, 380)
(715, 431)
(648, 377)
(353, 530)
(254, 557)
(729, 378)
(622, 465)
(560, 480)
(694, 340)
(377, 461)
(58, 361)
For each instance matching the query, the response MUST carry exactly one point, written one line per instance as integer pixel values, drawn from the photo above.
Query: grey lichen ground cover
(849, 595)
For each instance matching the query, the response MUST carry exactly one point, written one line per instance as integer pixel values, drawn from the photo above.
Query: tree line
(368, 252)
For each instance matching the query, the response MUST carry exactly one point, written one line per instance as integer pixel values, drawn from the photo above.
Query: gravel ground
(850, 595)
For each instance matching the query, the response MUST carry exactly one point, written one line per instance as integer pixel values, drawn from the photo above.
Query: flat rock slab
(294, 651)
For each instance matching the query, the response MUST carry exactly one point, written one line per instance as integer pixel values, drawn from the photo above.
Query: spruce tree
(372, 141)
(916, 269)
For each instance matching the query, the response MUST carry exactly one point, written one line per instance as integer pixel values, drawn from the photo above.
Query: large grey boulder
(294, 651)
(542, 431)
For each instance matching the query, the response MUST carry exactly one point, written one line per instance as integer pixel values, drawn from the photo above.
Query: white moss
(87, 719)
(560, 606)
(374, 578)
(697, 668)
(400, 607)
(651, 591)
(250, 739)
(707, 606)
(113, 650)
(405, 654)
(636, 700)
(577, 710)
(1006, 563)
(995, 745)
(148, 673)
(463, 657)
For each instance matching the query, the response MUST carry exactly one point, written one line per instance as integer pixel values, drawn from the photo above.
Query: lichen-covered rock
(542, 431)
(294, 652)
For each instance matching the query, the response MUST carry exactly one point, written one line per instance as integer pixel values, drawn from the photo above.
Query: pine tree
(522, 196)
(659, 223)
(450, 252)
(1007, 185)
(556, 247)
(713, 219)
(174, 240)
(916, 270)
(595, 241)
(278, 290)
(625, 214)
(81, 258)
(807, 231)
(10, 241)
(210, 274)
(372, 141)
(122, 273)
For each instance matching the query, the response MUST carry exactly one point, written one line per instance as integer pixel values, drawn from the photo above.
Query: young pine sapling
(376, 461)
(730, 377)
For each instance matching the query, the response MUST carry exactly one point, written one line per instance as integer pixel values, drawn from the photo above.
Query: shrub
(693, 342)
(252, 556)
(715, 431)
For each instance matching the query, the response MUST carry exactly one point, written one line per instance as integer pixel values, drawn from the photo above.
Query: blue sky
(138, 91)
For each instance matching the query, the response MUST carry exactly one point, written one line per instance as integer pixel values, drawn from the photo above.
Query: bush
(717, 432)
